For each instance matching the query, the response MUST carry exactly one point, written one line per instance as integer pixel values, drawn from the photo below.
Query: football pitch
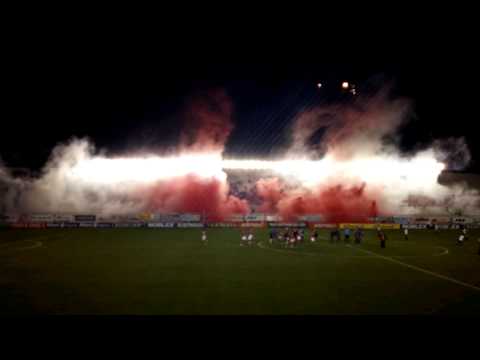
(170, 272)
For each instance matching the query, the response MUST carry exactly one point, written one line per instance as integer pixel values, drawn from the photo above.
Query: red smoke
(208, 122)
(270, 191)
(191, 194)
(336, 202)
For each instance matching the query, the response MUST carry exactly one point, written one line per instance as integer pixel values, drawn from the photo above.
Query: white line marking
(6, 249)
(440, 276)
(445, 251)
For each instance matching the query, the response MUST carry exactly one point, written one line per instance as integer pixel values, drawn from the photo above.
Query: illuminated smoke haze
(353, 172)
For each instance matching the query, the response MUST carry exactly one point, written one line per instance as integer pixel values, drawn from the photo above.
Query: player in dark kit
(273, 235)
(358, 236)
(335, 234)
(346, 234)
(382, 238)
(294, 239)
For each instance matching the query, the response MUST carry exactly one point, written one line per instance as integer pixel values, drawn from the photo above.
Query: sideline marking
(445, 251)
(261, 245)
(5, 248)
(440, 276)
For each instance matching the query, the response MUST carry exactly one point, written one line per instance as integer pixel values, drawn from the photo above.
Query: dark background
(126, 95)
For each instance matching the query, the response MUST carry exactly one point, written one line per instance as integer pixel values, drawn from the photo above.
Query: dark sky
(126, 99)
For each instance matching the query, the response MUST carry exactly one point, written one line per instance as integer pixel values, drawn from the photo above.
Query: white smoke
(354, 153)
(56, 191)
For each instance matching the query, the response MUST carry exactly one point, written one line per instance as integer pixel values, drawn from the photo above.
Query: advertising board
(84, 218)
(160, 225)
(287, 225)
(190, 225)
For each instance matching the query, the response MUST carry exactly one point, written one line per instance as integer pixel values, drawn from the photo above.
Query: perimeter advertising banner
(84, 218)
(255, 217)
(384, 219)
(160, 225)
(190, 225)
(235, 218)
(54, 225)
(311, 218)
(189, 218)
(105, 225)
(107, 218)
(287, 225)
(222, 225)
(164, 218)
(63, 218)
(272, 218)
(324, 226)
(87, 225)
(415, 226)
(128, 218)
(419, 220)
(70, 225)
(129, 225)
(41, 218)
(401, 220)
(252, 225)
(370, 226)
(462, 220)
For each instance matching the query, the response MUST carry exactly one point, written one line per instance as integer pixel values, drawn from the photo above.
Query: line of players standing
(292, 237)
(335, 235)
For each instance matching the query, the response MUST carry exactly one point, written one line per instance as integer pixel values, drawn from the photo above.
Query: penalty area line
(413, 267)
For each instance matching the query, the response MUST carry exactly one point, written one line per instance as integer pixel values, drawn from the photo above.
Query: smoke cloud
(361, 172)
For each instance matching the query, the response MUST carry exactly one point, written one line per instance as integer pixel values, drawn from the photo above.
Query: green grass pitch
(170, 272)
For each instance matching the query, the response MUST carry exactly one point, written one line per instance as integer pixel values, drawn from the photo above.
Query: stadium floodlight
(319, 85)
(345, 85)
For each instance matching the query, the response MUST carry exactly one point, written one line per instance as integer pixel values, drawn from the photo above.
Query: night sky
(126, 99)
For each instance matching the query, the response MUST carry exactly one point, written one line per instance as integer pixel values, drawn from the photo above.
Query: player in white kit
(243, 238)
(204, 237)
(250, 238)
